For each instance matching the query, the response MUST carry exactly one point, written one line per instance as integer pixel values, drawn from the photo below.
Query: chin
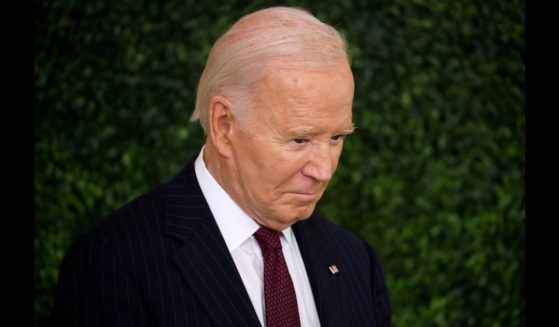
(302, 213)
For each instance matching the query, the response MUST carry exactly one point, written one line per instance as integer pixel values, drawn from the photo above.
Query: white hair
(272, 38)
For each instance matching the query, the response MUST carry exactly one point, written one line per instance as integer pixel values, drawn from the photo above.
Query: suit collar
(318, 255)
(235, 224)
(203, 259)
(204, 254)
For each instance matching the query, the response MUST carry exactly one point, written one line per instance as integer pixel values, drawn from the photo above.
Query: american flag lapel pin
(333, 269)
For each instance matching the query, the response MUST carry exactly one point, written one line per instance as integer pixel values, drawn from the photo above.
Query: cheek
(290, 173)
(259, 170)
(278, 174)
(335, 161)
(335, 156)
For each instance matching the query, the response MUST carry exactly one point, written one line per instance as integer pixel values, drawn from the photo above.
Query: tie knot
(268, 239)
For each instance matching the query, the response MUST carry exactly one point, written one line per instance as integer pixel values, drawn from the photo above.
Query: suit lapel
(318, 256)
(203, 260)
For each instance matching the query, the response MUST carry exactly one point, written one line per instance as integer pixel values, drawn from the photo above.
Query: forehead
(295, 82)
(305, 92)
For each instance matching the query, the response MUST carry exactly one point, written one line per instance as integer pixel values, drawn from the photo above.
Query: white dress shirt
(237, 228)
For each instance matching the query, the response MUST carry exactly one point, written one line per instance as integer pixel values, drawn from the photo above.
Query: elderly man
(232, 239)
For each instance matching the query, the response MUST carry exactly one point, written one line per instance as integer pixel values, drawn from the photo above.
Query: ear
(220, 124)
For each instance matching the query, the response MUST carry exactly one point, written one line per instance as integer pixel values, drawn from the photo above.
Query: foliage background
(433, 178)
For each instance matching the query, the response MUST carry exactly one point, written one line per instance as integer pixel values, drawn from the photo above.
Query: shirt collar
(288, 234)
(234, 223)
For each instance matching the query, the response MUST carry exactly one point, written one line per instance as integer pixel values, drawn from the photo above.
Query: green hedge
(433, 178)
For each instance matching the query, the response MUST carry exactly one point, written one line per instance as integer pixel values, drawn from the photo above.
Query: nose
(322, 163)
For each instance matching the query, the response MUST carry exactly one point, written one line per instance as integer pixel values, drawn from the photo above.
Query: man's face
(283, 161)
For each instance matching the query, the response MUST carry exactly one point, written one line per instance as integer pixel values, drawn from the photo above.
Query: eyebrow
(305, 132)
(348, 131)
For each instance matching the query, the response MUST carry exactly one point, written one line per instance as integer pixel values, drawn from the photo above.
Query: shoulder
(342, 239)
(361, 261)
(137, 216)
(333, 230)
(142, 217)
(122, 230)
(349, 248)
(138, 225)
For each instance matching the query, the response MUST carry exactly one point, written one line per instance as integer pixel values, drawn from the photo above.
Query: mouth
(307, 196)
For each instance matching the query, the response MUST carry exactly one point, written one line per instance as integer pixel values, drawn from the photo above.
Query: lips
(315, 189)
(307, 195)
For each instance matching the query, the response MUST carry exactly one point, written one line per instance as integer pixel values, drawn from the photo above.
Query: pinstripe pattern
(160, 260)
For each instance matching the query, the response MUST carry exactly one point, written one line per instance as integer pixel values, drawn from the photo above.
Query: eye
(337, 138)
(299, 141)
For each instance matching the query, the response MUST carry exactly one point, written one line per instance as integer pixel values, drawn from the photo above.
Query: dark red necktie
(279, 293)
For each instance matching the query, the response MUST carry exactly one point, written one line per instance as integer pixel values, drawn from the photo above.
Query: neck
(214, 163)
(221, 170)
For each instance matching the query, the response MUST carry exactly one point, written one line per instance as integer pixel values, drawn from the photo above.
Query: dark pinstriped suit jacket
(160, 260)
